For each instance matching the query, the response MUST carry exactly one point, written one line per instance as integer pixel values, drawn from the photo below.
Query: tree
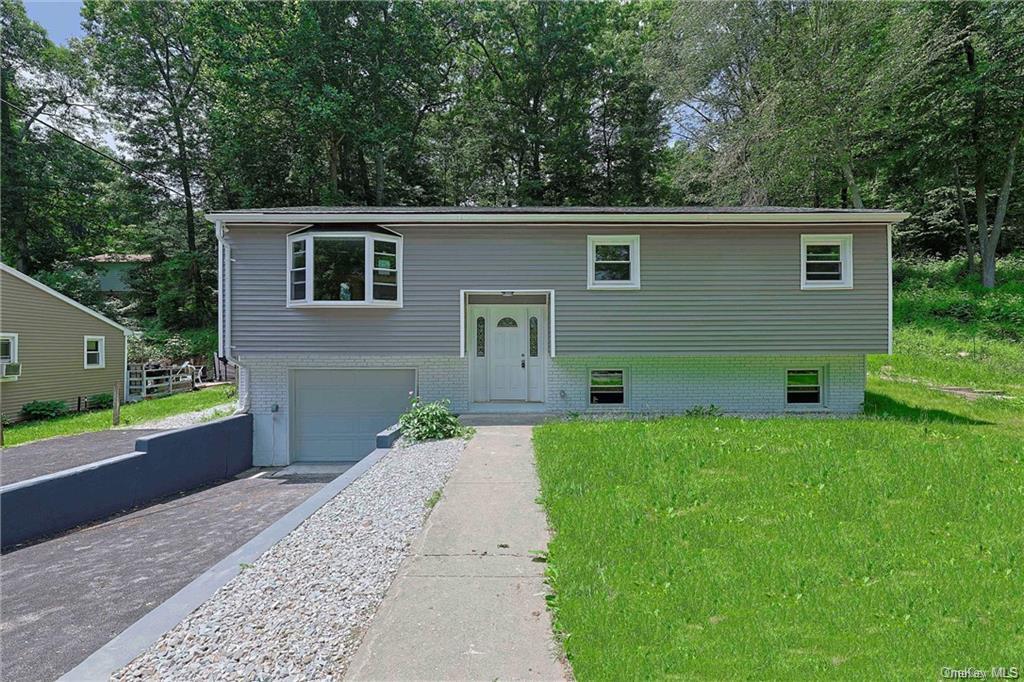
(38, 80)
(144, 53)
(331, 105)
(961, 63)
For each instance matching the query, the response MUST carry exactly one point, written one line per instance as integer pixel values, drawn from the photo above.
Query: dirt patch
(886, 374)
(972, 393)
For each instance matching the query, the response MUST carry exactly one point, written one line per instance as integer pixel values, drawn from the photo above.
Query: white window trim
(368, 237)
(13, 338)
(102, 349)
(845, 243)
(625, 388)
(633, 241)
(822, 380)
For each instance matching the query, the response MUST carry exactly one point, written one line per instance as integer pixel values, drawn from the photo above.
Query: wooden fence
(149, 380)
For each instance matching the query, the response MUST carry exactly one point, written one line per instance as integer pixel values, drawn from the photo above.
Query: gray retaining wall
(164, 464)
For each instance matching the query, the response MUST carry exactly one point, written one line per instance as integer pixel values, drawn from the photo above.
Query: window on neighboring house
(95, 352)
(607, 387)
(613, 262)
(10, 369)
(8, 348)
(344, 269)
(826, 261)
(803, 387)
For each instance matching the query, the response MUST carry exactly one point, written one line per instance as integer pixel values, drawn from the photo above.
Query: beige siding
(50, 348)
(705, 290)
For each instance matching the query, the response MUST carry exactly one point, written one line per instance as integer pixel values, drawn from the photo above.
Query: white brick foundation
(653, 384)
(735, 384)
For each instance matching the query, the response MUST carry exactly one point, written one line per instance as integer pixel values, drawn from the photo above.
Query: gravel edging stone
(298, 612)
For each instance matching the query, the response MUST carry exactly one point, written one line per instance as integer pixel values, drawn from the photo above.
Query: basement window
(607, 387)
(803, 387)
(341, 269)
(826, 261)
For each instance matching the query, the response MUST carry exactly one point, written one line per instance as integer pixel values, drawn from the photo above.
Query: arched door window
(507, 322)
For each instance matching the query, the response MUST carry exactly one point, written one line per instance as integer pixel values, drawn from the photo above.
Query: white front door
(507, 362)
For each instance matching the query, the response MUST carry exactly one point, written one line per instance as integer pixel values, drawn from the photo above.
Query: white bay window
(341, 269)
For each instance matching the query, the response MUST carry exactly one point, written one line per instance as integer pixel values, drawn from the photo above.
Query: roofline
(548, 217)
(56, 294)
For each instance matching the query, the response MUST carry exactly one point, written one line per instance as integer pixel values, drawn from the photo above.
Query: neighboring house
(54, 348)
(336, 314)
(113, 269)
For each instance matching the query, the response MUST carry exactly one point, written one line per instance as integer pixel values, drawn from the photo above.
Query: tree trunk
(851, 183)
(364, 176)
(333, 166)
(988, 249)
(988, 265)
(968, 237)
(190, 219)
(14, 191)
(378, 172)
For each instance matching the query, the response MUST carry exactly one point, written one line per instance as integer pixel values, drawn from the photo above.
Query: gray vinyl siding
(718, 290)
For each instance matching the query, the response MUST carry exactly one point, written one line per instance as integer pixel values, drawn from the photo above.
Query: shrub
(101, 401)
(430, 421)
(44, 409)
(704, 411)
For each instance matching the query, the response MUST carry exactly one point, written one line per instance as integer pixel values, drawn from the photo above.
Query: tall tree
(330, 106)
(144, 52)
(38, 80)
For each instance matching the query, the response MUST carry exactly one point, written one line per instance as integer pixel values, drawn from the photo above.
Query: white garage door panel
(337, 413)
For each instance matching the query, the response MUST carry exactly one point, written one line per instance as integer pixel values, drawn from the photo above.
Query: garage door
(337, 413)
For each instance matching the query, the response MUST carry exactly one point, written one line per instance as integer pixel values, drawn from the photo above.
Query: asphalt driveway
(48, 456)
(65, 597)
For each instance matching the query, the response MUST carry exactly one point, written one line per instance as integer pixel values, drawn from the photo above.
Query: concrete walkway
(468, 602)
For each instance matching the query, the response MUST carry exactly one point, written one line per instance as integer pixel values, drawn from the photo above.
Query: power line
(106, 156)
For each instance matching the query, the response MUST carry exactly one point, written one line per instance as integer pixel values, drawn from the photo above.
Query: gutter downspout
(224, 311)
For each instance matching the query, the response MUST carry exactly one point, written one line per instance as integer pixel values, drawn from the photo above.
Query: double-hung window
(345, 269)
(95, 352)
(803, 387)
(613, 262)
(607, 387)
(826, 261)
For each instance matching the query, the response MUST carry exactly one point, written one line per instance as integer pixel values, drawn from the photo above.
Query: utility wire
(106, 156)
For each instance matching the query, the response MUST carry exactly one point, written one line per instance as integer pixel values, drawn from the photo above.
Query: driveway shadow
(879, 405)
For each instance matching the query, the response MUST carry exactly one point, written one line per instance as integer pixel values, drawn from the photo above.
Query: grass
(952, 332)
(434, 498)
(887, 545)
(135, 413)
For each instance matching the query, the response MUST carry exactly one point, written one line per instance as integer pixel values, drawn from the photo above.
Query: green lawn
(135, 413)
(888, 545)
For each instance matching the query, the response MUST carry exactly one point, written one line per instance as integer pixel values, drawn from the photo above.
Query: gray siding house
(336, 315)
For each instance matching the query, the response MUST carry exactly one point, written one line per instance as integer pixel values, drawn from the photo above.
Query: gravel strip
(298, 613)
(178, 421)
